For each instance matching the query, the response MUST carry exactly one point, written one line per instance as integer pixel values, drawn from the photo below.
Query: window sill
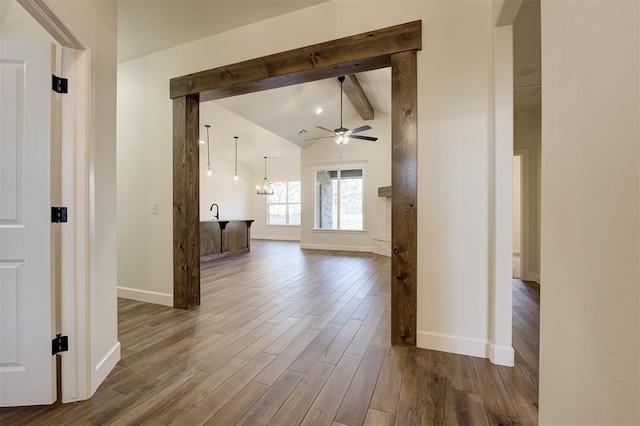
(339, 231)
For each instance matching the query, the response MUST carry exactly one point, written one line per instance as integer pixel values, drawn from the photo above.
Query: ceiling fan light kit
(342, 134)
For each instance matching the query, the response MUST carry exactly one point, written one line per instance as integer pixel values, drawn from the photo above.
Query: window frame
(362, 165)
(286, 204)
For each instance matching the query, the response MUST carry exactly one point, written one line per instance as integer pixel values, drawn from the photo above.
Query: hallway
(287, 336)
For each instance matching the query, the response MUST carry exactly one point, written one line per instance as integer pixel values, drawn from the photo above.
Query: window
(339, 199)
(283, 207)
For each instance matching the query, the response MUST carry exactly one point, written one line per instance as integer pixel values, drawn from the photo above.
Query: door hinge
(59, 344)
(58, 214)
(59, 84)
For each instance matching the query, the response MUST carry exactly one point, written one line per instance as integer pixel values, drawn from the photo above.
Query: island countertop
(221, 237)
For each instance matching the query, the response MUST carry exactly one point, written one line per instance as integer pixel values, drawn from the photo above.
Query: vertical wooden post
(186, 196)
(404, 231)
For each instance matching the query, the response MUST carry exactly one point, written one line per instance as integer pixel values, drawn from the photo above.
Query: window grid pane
(283, 206)
(339, 199)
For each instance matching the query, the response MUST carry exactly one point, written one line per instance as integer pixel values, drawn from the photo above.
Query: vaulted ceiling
(277, 122)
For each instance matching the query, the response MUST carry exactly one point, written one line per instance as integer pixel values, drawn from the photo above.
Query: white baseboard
(146, 296)
(368, 249)
(502, 355)
(104, 367)
(530, 276)
(465, 346)
(454, 344)
(274, 237)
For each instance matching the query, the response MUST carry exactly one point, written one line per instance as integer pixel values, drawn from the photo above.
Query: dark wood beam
(352, 88)
(404, 203)
(348, 55)
(186, 201)
(394, 46)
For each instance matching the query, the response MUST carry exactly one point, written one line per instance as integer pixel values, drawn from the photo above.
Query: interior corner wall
(453, 149)
(96, 23)
(590, 302)
(527, 131)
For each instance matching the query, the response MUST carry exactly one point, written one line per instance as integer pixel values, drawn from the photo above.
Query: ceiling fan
(343, 134)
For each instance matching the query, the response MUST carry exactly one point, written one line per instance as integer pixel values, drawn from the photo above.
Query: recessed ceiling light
(319, 110)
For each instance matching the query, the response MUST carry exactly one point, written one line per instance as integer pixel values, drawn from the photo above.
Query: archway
(394, 47)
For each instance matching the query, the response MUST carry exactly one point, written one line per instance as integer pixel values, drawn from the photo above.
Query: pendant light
(210, 172)
(266, 188)
(236, 178)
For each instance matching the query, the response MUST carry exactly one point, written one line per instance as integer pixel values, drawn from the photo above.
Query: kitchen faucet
(217, 215)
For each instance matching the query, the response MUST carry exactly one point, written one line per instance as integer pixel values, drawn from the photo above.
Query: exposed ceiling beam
(358, 98)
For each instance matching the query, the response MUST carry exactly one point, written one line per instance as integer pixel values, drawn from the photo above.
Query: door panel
(27, 368)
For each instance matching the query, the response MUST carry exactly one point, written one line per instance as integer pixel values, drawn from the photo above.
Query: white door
(27, 368)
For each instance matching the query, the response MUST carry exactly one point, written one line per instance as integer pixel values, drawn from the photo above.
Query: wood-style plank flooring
(287, 336)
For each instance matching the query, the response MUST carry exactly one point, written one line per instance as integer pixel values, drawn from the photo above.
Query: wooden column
(404, 229)
(186, 196)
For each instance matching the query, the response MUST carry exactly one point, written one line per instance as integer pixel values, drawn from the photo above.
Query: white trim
(530, 276)
(274, 237)
(502, 355)
(481, 348)
(368, 249)
(525, 217)
(104, 367)
(339, 231)
(75, 375)
(50, 18)
(165, 299)
(453, 344)
(500, 161)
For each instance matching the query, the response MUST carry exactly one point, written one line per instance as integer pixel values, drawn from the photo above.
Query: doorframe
(76, 374)
(394, 47)
(523, 153)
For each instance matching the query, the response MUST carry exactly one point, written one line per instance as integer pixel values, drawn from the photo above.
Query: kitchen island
(220, 238)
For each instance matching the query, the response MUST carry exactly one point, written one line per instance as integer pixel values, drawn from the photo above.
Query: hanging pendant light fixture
(210, 172)
(266, 188)
(236, 178)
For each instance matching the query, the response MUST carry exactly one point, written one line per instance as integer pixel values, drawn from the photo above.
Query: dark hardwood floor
(287, 336)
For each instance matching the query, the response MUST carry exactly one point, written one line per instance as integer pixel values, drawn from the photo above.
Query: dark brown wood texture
(354, 92)
(186, 198)
(404, 226)
(349, 55)
(384, 191)
(283, 337)
(216, 242)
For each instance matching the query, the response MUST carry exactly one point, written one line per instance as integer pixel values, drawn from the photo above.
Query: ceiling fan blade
(325, 129)
(321, 137)
(361, 129)
(364, 138)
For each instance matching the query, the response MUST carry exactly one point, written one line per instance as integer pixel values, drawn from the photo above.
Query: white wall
(527, 143)
(453, 149)
(233, 198)
(377, 173)
(590, 304)
(517, 200)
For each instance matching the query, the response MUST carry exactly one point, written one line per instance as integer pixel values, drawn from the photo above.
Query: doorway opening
(394, 47)
(517, 215)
